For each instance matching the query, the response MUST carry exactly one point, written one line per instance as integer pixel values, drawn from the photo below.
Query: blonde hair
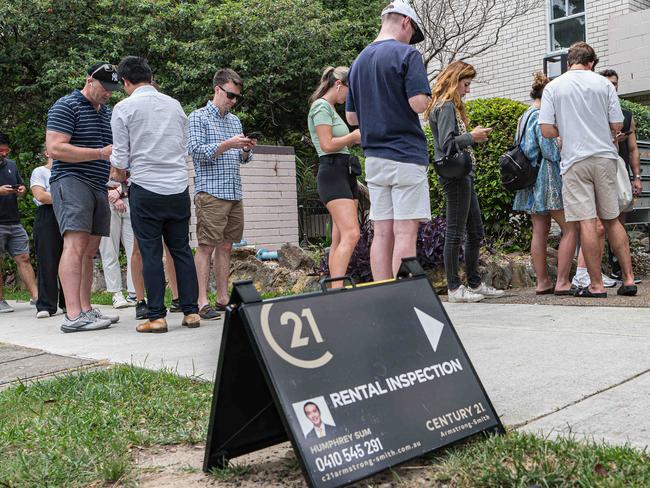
(445, 87)
(330, 76)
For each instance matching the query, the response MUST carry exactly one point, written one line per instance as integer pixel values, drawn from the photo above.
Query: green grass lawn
(77, 430)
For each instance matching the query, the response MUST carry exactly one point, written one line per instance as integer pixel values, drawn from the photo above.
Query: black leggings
(334, 179)
(463, 215)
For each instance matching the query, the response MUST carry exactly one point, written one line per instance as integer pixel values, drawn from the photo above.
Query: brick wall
(270, 198)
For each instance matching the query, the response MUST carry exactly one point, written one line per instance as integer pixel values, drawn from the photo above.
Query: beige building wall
(270, 198)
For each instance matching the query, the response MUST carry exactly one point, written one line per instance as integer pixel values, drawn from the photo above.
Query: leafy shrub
(641, 115)
(502, 225)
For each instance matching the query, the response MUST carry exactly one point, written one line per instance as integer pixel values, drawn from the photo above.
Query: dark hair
(330, 76)
(608, 73)
(310, 403)
(4, 139)
(135, 69)
(540, 80)
(224, 75)
(581, 53)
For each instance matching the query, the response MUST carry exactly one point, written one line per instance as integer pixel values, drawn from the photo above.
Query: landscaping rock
(294, 258)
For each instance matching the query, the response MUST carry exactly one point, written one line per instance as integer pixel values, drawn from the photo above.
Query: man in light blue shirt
(149, 140)
(218, 147)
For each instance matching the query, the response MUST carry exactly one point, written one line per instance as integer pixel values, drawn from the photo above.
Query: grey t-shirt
(582, 104)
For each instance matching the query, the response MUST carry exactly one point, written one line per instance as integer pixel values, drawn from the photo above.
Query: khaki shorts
(589, 190)
(398, 191)
(218, 221)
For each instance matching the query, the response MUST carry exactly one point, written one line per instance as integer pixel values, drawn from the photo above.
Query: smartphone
(627, 132)
(15, 187)
(254, 135)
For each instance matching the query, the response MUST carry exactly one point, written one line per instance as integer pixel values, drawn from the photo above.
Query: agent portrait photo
(315, 418)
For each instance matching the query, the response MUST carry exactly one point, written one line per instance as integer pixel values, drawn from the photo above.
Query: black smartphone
(254, 135)
(15, 187)
(627, 132)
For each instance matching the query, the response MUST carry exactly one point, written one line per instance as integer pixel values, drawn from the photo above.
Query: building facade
(619, 31)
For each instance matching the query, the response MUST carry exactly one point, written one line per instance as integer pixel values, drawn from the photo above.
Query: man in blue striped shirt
(218, 147)
(79, 140)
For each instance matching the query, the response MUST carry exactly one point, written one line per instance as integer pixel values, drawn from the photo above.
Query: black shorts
(334, 179)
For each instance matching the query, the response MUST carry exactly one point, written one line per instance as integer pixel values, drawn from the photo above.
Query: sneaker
(119, 301)
(176, 306)
(582, 280)
(487, 291)
(208, 313)
(464, 295)
(83, 323)
(43, 314)
(98, 314)
(141, 310)
(32, 302)
(5, 307)
(618, 276)
(131, 300)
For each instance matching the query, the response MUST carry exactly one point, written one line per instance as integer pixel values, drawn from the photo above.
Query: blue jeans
(463, 216)
(155, 217)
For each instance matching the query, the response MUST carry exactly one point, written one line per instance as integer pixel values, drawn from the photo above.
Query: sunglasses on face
(231, 95)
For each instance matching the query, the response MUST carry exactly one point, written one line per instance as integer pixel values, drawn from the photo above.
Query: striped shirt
(75, 116)
(217, 175)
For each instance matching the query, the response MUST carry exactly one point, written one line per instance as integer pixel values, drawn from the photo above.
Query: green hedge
(641, 118)
(503, 227)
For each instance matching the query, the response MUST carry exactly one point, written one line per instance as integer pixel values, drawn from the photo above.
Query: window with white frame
(566, 23)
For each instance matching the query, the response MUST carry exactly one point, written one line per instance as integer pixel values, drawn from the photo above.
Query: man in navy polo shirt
(388, 89)
(79, 139)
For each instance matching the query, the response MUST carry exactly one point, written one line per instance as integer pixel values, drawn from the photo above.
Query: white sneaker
(464, 295)
(487, 291)
(42, 314)
(609, 282)
(95, 313)
(119, 301)
(582, 280)
(131, 300)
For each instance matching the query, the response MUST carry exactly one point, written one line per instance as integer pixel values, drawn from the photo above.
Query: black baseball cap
(106, 74)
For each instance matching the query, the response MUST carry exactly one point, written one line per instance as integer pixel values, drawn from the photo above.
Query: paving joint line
(24, 357)
(580, 400)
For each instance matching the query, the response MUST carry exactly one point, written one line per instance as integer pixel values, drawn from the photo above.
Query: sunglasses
(231, 95)
(106, 67)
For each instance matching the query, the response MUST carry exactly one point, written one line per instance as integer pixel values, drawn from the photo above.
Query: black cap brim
(110, 86)
(418, 36)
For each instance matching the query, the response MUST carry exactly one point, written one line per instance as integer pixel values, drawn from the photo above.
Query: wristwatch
(637, 177)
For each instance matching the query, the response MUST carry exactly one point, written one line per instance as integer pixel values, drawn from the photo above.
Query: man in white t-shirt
(582, 108)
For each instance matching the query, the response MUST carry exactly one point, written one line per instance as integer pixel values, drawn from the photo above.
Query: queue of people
(121, 176)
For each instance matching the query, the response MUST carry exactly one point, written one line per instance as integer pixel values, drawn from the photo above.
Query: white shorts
(398, 191)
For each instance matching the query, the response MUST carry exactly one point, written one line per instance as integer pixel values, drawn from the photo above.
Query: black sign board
(359, 379)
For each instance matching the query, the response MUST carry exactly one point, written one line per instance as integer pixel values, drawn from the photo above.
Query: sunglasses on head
(231, 95)
(106, 67)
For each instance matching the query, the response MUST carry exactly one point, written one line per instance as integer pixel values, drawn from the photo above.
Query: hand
(113, 195)
(481, 134)
(620, 136)
(118, 174)
(119, 205)
(21, 190)
(6, 190)
(355, 137)
(238, 142)
(107, 151)
(637, 187)
(252, 144)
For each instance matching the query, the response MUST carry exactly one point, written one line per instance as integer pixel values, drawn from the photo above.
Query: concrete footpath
(554, 370)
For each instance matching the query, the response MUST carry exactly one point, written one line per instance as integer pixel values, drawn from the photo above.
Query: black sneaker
(618, 276)
(141, 310)
(176, 306)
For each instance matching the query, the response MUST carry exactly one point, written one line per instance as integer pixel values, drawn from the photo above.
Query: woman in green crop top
(337, 186)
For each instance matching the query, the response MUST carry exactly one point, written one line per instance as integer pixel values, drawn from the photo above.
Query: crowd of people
(120, 176)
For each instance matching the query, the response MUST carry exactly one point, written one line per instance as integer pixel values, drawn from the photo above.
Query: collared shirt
(75, 116)
(150, 140)
(217, 175)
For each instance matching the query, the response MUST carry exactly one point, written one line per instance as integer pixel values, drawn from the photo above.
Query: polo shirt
(75, 116)
(9, 175)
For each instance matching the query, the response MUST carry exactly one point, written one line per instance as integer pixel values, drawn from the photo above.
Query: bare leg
(566, 250)
(344, 217)
(621, 246)
(381, 250)
(86, 283)
(336, 239)
(541, 228)
(202, 263)
(600, 231)
(26, 273)
(590, 244)
(222, 270)
(406, 235)
(70, 270)
(136, 271)
(170, 272)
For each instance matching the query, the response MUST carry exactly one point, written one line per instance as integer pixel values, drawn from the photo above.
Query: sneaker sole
(469, 300)
(118, 307)
(67, 329)
(7, 310)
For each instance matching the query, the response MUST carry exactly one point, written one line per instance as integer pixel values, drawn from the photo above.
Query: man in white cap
(388, 89)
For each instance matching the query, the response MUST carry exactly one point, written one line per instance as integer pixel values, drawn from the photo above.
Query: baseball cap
(403, 8)
(106, 74)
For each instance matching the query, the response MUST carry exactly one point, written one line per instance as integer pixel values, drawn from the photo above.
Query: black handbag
(456, 164)
(517, 171)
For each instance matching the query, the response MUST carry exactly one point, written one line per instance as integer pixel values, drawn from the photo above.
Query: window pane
(558, 9)
(565, 33)
(576, 6)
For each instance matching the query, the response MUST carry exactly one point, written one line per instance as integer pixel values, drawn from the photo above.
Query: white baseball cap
(403, 8)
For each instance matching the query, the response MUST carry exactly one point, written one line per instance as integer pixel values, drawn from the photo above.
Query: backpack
(517, 171)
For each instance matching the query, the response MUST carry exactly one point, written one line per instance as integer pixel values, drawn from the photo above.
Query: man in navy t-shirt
(388, 89)
(79, 139)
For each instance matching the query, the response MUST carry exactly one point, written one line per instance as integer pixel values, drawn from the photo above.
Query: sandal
(563, 293)
(627, 290)
(548, 291)
(220, 308)
(586, 293)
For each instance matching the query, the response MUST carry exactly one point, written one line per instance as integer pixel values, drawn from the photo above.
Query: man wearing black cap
(388, 89)
(79, 140)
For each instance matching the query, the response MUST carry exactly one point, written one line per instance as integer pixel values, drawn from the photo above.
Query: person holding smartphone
(448, 120)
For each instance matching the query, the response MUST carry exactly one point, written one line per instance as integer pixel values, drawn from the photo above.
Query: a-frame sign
(358, 379)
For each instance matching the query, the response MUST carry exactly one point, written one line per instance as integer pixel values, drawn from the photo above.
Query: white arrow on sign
(432, 327)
